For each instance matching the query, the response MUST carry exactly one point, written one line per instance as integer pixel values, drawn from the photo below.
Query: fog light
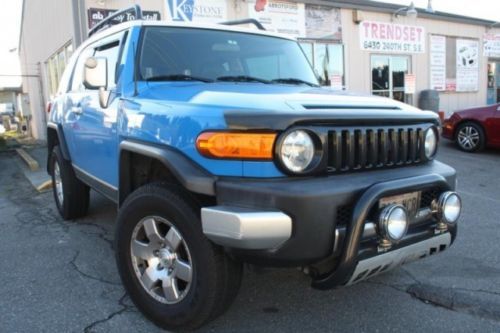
(449, 206)
(393, 222)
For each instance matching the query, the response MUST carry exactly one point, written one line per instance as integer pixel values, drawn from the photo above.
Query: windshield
(175, 54)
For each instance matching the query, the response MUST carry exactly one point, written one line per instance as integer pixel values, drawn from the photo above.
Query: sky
(10, 21)
(485, 9)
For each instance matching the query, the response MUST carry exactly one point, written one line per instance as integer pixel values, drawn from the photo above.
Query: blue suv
(219, 147)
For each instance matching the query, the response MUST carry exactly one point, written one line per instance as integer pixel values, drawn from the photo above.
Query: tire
(470, 137)
(70, 194)
(159, 238)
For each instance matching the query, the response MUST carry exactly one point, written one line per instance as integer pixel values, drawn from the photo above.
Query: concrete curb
(30, 161)
(44, 186)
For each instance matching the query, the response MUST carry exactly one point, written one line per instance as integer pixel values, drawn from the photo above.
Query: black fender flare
(189, 174)
(62, 142)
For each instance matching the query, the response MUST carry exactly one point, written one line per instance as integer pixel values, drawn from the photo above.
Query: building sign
(391, 38)
(198, 11)
(96, 15)
(491, 45)
(279, 16)
(438, 62)
(467, 65)
(323, 22)
(410, 83)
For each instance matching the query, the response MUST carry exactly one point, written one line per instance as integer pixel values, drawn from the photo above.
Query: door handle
(77, 109)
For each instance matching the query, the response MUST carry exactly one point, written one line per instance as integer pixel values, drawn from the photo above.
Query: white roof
(122, 26)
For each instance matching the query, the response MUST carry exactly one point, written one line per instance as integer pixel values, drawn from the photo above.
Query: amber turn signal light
(236, 145)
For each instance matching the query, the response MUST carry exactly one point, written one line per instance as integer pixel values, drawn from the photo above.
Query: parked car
(475, 128)
(219, 147)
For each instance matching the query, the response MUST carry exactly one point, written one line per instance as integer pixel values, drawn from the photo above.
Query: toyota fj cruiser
(220, 148)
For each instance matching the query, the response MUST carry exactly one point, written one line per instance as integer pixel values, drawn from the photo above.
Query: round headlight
(393, 222)
(430, 143)
(449, 207)
(297, 151)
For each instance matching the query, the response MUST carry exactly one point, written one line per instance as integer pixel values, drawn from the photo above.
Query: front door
(388, 76)
(94, 132)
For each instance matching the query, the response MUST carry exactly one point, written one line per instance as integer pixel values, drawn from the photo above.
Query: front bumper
(308, 215)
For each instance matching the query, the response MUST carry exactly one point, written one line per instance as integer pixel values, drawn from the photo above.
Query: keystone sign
(198, 11)
(392, 38)
(96, 15)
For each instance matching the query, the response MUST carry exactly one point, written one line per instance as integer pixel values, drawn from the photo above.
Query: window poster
(438, 62)
(467, 65)
(491, 45)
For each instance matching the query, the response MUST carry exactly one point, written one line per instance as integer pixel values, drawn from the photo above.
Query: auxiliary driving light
(449, 206)
(393, 222)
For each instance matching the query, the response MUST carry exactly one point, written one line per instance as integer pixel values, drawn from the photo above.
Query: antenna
(135, 69)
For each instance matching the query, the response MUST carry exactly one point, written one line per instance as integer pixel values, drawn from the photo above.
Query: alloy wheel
(468, 137)
(58, 183)
(161, 260)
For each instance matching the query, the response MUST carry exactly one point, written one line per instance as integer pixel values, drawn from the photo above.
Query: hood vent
(349, 107)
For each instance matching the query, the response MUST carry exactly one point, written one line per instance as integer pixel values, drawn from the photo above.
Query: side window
(77, 81)
(121, 59)
(110, 51)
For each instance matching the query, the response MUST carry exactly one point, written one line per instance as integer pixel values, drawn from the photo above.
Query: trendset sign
(393, 38)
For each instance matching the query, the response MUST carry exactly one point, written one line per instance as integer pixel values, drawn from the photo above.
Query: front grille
(428, 196)
(344, 214)
(374, 147)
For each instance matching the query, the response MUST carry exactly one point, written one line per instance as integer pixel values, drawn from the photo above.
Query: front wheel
(174, 275)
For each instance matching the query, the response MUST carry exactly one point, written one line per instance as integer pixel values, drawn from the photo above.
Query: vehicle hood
(249, 105)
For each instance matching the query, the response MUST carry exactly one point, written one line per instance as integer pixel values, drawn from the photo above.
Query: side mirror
(95, 73)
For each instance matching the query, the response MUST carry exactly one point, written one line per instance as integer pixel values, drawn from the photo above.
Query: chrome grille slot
(353, 149)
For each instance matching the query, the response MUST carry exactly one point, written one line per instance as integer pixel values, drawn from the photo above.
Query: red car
(473, 129)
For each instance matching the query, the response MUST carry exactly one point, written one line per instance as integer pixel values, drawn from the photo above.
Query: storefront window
(327, 60)
(388, 76)
(493, 91)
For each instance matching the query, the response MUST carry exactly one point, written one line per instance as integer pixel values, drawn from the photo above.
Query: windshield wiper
(178, 77)
(292, 80)
(241, 78)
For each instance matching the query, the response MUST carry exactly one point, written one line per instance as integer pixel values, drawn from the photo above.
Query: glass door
(388, 76)
(493, 91)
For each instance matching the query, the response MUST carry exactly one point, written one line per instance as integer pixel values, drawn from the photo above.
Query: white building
(354, 44)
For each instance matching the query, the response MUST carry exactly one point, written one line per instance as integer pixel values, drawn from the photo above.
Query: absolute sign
(393, 38)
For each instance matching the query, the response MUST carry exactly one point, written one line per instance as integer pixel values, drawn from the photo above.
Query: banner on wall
(279, 16)
(198, 11)
(323, 22)
(491, 45)
(438, 62)
(391, 38)
(96, 15)
(467, 65)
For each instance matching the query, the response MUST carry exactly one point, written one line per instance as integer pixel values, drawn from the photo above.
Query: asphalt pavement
(58, 276)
